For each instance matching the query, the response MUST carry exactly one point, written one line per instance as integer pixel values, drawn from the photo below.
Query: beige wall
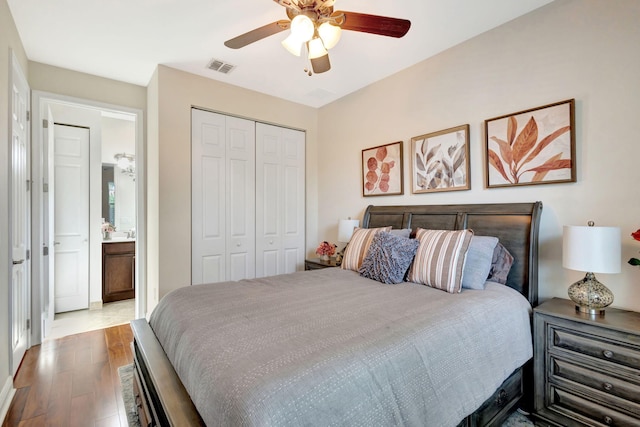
(582, 49)
(9, 41)
(47, 78)
(177, 92)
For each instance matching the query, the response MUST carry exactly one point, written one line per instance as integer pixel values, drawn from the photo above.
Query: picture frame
(440, 161)
(382, 171)
(535, 146)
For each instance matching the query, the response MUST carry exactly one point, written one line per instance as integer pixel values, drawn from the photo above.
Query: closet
(248, 195)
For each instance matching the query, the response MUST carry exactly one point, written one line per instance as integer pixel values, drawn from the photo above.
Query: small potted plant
(107, 229)
(325, 250)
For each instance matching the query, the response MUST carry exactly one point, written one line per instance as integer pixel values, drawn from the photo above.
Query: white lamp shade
(293, 44)
(345, 229)
(591, 249)
(330, 34)
(302, 28)
(316, 48)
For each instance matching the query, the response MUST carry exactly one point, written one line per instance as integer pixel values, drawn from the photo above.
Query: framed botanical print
(535, 146)
(440, 161)
(382, 173)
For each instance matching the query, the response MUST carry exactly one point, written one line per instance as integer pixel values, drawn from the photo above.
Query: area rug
(126, 380)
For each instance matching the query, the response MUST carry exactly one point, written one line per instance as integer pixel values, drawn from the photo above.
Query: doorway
(95, 117)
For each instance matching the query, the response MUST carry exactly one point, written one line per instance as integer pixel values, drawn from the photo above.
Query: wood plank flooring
(73, 381)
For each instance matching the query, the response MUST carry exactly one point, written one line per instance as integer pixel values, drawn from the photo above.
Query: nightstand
(317, 263)
(586, 369)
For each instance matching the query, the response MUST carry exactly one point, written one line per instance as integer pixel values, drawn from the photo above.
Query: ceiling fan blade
(257, 34)
(374, 24)
(321, 64)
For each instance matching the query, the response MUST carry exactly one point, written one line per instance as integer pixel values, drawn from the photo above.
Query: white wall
(582, 49)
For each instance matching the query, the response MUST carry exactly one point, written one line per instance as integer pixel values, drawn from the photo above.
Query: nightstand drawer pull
(502, 398)
(607, 386)
(608, 354)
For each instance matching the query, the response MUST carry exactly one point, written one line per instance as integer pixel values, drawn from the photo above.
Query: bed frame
(162, 399)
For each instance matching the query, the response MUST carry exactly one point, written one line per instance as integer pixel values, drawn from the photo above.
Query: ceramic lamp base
(590, 295)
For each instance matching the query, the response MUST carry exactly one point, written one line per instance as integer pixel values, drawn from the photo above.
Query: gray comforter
(330, 348)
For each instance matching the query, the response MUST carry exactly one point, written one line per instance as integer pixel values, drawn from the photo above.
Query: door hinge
(45, 187)
(28, 185)
(28, 323)
(28, 254)
(45, 123)
(45, 251)
(28, 115)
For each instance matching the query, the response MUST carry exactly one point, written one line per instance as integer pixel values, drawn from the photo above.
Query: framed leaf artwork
(440, 161)
(382, 173)
(535, 146)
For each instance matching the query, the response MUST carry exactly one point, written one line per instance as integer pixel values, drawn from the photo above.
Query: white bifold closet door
(280, 200)
(223, 197)
(248, 198)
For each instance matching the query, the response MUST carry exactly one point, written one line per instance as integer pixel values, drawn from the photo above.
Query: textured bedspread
(330, 348)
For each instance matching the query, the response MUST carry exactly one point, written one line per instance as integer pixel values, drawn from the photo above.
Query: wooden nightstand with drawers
(317, 263)
(586, 368)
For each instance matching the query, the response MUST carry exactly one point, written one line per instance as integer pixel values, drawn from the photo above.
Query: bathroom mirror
(118, 197)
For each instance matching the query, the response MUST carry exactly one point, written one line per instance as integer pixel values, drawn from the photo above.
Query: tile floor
(75, 322)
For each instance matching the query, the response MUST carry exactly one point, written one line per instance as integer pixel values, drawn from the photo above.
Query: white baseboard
(6, 396)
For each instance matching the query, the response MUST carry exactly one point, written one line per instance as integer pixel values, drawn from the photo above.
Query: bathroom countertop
(119, 240)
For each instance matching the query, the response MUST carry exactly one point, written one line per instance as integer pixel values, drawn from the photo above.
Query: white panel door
(240, 191)
(20, 217)
(223, 198)
(280, 200)
(71, 217)
(208, 217)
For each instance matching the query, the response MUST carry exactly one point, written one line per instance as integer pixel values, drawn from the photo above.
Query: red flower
(636, 234)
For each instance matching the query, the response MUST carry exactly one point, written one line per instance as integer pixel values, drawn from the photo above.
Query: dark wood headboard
(515, 224)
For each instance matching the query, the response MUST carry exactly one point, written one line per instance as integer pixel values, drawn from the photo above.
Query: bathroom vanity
(118, 269)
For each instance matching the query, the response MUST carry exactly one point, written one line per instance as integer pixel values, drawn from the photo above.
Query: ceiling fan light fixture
(302, 28)
(316, 48)
(330, 34)
(293, 45)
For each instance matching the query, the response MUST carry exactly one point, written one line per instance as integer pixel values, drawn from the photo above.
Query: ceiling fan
(317, 26)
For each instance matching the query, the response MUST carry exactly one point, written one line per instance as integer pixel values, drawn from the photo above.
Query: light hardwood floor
(73, 381)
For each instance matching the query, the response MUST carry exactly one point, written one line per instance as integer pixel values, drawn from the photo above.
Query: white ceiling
(126, 39)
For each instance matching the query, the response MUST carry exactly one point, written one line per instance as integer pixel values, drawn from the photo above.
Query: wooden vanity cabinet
(118, 271)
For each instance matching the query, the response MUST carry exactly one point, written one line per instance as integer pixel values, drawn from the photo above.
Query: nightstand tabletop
(614, 318)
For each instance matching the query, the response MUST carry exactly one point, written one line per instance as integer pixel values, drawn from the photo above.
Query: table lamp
(592, 250)
(345, 231)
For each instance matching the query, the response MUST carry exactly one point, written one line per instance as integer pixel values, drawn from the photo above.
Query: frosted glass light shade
(330, 34)
(316, 48)
(302, 28)
(345, 229)
(293, 45)
(591, 249)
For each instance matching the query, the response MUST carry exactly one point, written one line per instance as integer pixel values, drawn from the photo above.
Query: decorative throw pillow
(478, 262)
(389, 258)
(439, 260)
(403, 232)
(358, 246)
(500, 264)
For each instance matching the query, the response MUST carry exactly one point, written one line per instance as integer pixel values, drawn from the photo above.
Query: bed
(329, 347)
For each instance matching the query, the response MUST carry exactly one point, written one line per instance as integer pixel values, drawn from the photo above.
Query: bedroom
(575, 49)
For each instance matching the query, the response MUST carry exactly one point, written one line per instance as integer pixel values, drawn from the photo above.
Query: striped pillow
(359, 246)
(439, 260)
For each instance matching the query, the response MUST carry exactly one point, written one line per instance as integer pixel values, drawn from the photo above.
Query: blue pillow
(478, 262)
(388, 258)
